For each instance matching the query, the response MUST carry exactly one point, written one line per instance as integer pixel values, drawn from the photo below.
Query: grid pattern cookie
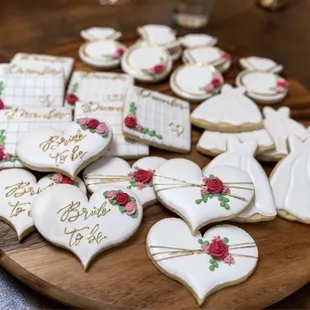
(113, 115)
(14, 123)
(157, 119)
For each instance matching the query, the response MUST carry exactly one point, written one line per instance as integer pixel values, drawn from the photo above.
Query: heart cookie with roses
(66, 218)
(67, 152)
(217, 194)
(116, 171)
(225, 255)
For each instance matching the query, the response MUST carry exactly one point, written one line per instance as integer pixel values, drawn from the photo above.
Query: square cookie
(157, 119)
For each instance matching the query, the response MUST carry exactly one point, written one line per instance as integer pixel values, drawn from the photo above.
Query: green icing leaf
(104, 135)
(225, 240)
(136, 168)
(150, 184)
(206, 242)
(198, 201)
(135, 215)
(84, 127)
(215, 264)
(14, 158)
(222, 204)
(105, 193)
(119, 191)
(133, 199)
(210, 195)
(200, 241)
(122, 209)
(113, 202)
(92, 130)
(212, 260)
(211, 267)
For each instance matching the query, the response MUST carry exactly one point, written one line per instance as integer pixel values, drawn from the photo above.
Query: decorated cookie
(196, 82)
(147, 63)
(217, 194)
(279, 125)
(157, 119)
(229, 111)
(64, 216)
(18, 188)
(290, 182)
(260, 64)
(112, 112)
(104, 54)
(241, 155)
(213, 143)
(68, 151)
(263, 87)
(225, 255)
(197, 39)
(100, 33)
(116, 171)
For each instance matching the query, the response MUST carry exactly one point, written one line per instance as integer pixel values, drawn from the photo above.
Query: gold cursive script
(22, 188)
(16, 113)
(17, 208)
(90, 107)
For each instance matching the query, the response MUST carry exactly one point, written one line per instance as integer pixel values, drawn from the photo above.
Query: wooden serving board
(125, 278)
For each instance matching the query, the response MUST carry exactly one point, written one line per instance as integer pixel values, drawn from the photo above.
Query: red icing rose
(215, 186)
(1, 154)
(2, 106)
(122, 198)
(218, 249)
(66, 180)
(120, 51)
(143, 176)
(72, 98)
(131, 121)
(93, 123)
(159, 68)
(216, 82)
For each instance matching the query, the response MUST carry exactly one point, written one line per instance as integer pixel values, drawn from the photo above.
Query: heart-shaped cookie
(67, 152)
(218, 194)
(65, 217)
(18, 188)
(225, 255)
(116, 171)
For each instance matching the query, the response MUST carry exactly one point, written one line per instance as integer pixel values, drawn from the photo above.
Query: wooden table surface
(36, 26)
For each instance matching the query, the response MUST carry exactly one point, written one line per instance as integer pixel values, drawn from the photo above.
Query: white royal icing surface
(113, 170)
(17, 191)
(64, 208)
(290, 180)
(241, 155)
(168, 116)
(193, 270)
(197, 39)
(260, 64)
(182, 200)
(100, 33)
(45, 149)
(279, 125)
(230, 107)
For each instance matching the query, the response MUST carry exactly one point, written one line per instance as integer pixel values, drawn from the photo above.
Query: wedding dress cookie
(65, 217)
(225, 255)
(116, 171)
(201, 198)
(229, 111)
(290, 182)
(260, 64)
(18, 188)
(68, 151)
(241, 155)
(279, 125)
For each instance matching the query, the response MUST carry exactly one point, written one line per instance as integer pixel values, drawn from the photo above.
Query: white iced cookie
(290, 182)
(100, 33)
(65, 217)
(104, 54)
(230, 111)
(260, 64)
(68, 151)
(217, 194)
(116, 171)
(18, 188)
(279, 125)
(241, 155)
(197, 39)
(263, 87)
(213, 143)
(225, 255)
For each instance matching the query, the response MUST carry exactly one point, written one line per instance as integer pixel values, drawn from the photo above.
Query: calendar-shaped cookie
(157, 119)
(14, 123)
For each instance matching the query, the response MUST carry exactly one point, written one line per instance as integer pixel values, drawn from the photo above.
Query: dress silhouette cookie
(290, 182)
(241, 155)
(230, 111)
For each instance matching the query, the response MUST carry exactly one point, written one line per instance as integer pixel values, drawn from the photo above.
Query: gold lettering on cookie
(86, 75)
(75, 235)
(61, 157)
(22, 188)
(14, 69)
(17, 208)
(16, 113)
(95, 236)
(90, 107)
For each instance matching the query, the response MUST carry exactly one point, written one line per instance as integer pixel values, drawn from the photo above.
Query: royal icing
(100, 33)
(197, 39)
(66, 151)
(241, 155)
(260, 64)
(225, 255)
(65, 217)
(116, 171)
(200, 198)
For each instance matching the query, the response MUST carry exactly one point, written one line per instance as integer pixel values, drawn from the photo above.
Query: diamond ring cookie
(260, 64)
(197, 39)
(18, 188)
(225, 255)
(100, 33)
(65, 217)
(196, 82)
(263, 87)
(230, 111)
(116, 171)
(104, 54)
(68, 151)
(147, 63)
(201, 198)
